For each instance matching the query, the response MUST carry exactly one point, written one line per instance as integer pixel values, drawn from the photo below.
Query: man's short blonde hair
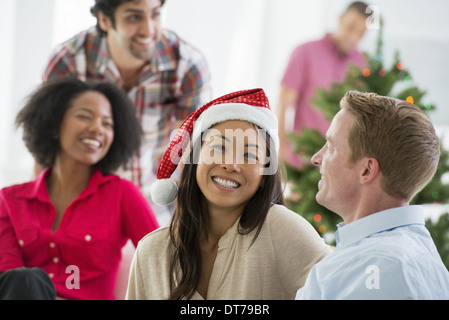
(399, 135)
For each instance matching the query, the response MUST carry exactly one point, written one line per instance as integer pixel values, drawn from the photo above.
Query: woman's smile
(92, 143)
(225, 183)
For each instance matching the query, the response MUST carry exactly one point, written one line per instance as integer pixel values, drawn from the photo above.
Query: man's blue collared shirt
(386, 255)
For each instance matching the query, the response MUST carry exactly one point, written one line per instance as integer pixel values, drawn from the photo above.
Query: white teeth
(226, 183)
(145, 41)
(91, 142)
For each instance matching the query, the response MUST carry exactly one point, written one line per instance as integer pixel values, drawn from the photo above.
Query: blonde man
(379, 153)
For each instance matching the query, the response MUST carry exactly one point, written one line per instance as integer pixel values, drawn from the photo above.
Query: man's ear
(104, 22)
(370, 170)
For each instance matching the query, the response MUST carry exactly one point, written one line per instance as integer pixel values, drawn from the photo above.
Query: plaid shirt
(173, 85)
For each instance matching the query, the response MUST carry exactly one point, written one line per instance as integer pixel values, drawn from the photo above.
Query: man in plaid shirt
(164, 76)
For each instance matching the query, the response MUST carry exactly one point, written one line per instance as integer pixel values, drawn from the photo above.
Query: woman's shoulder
(17, 190)
(155, 240)
(289, 230)
(154, 251)
(280, 218)
(28, 189)
(280, 212)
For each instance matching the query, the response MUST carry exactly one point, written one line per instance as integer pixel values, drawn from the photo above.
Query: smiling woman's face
(231, 164)
(87, 129)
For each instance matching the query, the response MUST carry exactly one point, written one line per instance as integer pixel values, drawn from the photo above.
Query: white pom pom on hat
(248, 105)
(164, 191)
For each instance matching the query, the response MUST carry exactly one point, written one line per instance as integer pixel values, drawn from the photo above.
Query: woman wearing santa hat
(231, 237)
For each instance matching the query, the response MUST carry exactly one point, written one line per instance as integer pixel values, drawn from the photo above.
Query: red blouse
(88, 242)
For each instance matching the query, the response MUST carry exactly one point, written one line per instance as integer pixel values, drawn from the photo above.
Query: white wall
(246, 42)
(69, 18)
(6, 56)
(25, 25)
(30, 30)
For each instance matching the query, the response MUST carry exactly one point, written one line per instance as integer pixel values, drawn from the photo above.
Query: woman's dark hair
(108, 8)
(191, 211)
(42, 115)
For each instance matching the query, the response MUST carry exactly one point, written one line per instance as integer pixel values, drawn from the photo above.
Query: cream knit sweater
(274, 267)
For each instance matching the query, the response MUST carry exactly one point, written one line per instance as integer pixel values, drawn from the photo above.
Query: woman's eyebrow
(92, 112)
(222, 137)
(247, 145)
(252, 145)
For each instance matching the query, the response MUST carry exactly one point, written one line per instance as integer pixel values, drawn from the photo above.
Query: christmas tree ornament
(366, 72)
(409, 99)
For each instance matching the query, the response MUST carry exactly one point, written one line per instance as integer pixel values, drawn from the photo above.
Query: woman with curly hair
(69, 225)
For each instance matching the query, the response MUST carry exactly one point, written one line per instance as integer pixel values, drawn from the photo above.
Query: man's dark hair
(42, 115)
(360, 7)
(108, 8)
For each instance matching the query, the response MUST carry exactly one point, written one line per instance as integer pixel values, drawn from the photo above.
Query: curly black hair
(42, 115)
(108, 8)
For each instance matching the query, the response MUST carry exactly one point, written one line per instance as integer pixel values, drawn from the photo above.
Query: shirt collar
(378, 222)
(39, 190)
(165, 58)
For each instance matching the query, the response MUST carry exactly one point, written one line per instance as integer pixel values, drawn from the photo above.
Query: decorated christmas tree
(373, 78)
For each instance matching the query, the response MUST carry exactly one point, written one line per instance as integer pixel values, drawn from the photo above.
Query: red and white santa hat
(248, 105)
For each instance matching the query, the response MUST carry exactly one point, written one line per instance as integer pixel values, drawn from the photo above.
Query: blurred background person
(313, 65)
